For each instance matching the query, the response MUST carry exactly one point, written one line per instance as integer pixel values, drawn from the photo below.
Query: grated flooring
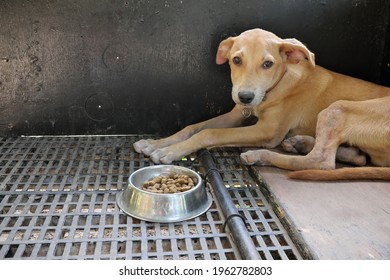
(58, 201)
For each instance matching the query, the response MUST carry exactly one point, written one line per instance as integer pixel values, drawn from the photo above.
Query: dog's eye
(237, 60)
(268, 64)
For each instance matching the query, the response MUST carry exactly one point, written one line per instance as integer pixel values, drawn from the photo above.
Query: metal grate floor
(58, 201)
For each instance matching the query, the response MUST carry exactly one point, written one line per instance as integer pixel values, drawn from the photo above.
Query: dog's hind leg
(351, 155)
(329, 136)
(303, 144)
(299, 144)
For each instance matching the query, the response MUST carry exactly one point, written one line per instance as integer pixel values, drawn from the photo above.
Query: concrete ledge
(333, 220)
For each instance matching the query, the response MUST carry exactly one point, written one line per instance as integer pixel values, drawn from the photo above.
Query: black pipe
(233, 219)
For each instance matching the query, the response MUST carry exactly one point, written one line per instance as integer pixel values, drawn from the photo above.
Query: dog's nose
(246, 97)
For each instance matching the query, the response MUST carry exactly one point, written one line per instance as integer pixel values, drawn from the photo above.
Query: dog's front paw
(145, 146)
(254, 157)
(164, 155)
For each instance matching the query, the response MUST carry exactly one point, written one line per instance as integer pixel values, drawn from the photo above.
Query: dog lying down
(300, 105)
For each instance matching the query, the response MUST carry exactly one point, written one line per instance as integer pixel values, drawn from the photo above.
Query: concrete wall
(135, 67)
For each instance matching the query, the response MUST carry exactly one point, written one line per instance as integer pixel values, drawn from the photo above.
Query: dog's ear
(223, 50)
(295, 51)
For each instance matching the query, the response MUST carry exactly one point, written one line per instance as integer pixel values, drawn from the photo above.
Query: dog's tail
(354, 173)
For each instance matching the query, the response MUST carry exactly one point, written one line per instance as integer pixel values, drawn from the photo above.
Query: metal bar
(235, 223)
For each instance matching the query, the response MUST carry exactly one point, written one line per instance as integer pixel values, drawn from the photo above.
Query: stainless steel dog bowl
(163, 208)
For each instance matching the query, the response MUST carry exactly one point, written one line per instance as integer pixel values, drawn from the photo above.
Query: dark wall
(135, 67)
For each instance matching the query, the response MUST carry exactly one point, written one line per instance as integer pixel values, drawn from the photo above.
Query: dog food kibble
(171, 183)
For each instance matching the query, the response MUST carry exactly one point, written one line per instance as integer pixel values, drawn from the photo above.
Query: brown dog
(277, 81)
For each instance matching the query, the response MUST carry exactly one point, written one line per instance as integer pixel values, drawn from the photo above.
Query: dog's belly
(301, 131)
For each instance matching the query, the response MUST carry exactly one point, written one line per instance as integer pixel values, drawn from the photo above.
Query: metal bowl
(163, 208)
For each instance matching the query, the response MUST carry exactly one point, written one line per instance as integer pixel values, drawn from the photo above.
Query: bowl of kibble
(164, 193)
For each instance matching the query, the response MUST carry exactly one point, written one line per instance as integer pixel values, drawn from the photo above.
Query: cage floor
(58, 201)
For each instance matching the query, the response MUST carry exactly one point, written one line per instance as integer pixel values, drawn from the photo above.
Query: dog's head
(258, 60)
